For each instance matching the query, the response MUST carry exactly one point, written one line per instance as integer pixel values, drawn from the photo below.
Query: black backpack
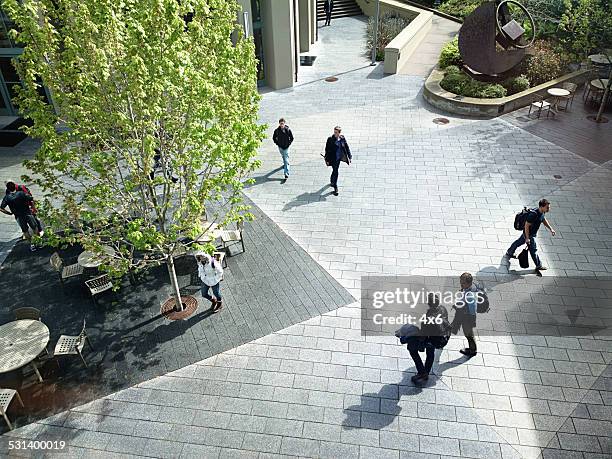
(482, 302)
(521, 218)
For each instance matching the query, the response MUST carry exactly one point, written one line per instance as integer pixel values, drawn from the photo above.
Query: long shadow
(308, 198)
(265, 178)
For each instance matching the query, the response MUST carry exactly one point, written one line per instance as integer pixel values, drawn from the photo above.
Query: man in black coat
(328, 6)
(283, 138)
(336, 150)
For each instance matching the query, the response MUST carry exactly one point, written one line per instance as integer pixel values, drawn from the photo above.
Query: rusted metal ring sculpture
(500, 26)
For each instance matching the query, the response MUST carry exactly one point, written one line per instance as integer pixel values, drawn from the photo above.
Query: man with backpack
(529, 222)
(434, 334)
(471, 300)
(32, 204)
(21, 206)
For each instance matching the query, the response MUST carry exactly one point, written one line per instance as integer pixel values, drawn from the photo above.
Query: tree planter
(189, 307)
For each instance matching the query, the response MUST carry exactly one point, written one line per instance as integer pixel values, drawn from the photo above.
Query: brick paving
(418, 199)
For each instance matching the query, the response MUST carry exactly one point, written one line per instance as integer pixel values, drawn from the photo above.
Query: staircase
(342, 9)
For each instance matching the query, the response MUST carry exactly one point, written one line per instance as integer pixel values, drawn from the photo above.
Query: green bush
(516, 84)
(450, 54)
(452, 69)
(543, 63)
(460, 8)
(464, 85)
(389, 26)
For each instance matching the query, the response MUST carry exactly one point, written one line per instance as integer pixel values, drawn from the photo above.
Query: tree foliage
(131, 80)
(586, 26)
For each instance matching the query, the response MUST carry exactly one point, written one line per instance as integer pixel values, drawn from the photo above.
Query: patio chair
(65, 272)
(232, 236)
(571, 87)
(6, 396)
(540, 105)
(26, 313)
(72, 345)
(98, 285)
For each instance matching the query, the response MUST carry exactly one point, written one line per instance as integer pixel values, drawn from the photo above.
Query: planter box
(486, 108)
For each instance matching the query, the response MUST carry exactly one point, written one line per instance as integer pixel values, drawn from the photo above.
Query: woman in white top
(211, 273)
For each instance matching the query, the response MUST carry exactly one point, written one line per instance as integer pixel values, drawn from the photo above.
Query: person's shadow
(265, 178)
(308, 198)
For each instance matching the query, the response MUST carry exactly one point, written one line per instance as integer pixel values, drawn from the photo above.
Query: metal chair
(65, 272)
(98, 285)
(6, 396)
(232, 236)
(72, 345)
(26, 313)
(569, 99)
(540, 105)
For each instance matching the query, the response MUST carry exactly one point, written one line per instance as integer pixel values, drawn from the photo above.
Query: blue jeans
(285, 154)
(333, 180)
(533, 248)
(216, 289)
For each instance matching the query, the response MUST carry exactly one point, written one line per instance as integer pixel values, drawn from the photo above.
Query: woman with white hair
(211, 273)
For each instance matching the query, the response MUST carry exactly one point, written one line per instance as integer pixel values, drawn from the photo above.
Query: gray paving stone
(575, 442)
(300, 447)
(318, 431)
(163, 448)
(332, 450)
(366, 437)
(438, 445)
(370, 452)
(262, 442)
(191, 451)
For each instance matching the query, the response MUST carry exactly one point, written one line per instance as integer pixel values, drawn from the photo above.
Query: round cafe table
(89, 259)
(21, 341)
(600, 59)
(557, 93)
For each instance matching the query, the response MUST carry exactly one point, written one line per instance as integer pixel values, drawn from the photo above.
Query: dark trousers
(468, 332)
(467, 323)
(333, 180)
(418, 362)
(327, 17)
(533, 248)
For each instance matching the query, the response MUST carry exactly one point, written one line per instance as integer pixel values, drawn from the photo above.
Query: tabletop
(89, 259)
(558, 92)
(599, 58)
(600, 83)
(21, 341)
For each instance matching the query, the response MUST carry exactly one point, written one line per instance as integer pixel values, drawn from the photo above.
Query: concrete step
(342, 8)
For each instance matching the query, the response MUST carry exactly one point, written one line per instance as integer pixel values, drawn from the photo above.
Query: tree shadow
(308, 198)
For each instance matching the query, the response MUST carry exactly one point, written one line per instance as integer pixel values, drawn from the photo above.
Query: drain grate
(557, 176)
(441, 121)
(331, 79)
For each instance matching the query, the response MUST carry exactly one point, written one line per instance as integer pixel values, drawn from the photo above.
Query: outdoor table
(557, 93)
(21, 341)
(89, 259)
(600, 59)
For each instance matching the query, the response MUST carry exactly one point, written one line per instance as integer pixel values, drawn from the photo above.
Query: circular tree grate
(441, 121)
(190, 305)
(331, 79)
(594, 119)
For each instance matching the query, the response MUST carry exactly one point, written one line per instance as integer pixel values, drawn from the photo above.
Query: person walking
(434, 335)
(283, 138)
(32, 204)
(19, 203)
(465, 312)
(211, 273)
(328, 7)
(336, 150)
(535, 218)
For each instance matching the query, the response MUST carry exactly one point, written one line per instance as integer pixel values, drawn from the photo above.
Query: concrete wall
(277, 40)
(305, 19)
(399, 50)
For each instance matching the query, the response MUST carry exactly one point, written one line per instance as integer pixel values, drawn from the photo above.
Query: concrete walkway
(418, 199)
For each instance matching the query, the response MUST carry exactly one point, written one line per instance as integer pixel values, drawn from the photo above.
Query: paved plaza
(418, 199)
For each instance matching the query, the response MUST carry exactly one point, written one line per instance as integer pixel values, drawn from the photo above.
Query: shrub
(452, 69)
(460, 8)
(450, 54)
(516, 84)
(464, 85)
(389, 26)
(543, 63)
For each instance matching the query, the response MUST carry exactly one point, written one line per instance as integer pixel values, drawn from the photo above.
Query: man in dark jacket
(19, 203)
(336, 150)
(328, 6)
(283, 138)
(434, 335)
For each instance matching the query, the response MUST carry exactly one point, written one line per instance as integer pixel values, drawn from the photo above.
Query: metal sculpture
(491, 42)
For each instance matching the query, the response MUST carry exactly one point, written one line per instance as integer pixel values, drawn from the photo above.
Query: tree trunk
(174, 281)
(604, 99)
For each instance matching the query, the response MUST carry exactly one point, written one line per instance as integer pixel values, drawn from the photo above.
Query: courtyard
(419, 199)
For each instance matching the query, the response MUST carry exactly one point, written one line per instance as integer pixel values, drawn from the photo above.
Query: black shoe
(286, 177)
(419, 378)
(336, 193)
(467, 352)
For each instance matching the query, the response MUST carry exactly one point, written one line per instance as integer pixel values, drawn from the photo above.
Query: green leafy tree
(135, 83)
(586, 26)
